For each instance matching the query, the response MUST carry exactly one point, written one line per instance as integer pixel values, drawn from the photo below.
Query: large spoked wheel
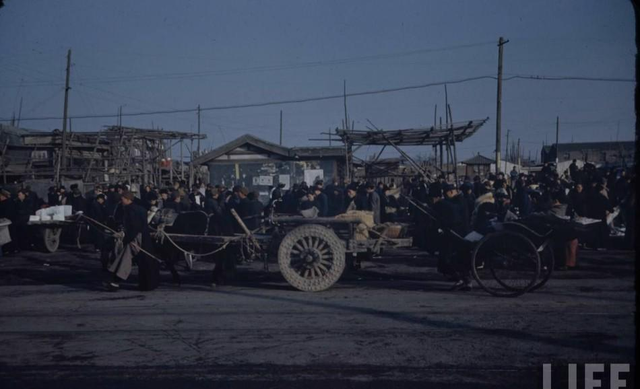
(506, 264)
(52, 239)
(547, 263)
(311, 258)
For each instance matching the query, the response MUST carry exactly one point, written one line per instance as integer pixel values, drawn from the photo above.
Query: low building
(479, 165)
(598, 153)
(259, 165)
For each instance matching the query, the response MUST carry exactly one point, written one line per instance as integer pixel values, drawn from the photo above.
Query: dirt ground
(395, 323)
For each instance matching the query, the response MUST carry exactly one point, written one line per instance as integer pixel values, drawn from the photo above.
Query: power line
(567, 78)
(331, 97)
(267, 103)
(182, 75)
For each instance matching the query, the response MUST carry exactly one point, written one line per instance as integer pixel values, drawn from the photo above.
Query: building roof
(252, 142)
(420, 136)
(568, 147)
(479, 160)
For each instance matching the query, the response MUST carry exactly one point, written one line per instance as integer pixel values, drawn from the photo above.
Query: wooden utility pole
(63, 156)
(518, 154)
(20, 115)
(346, 116)
(170, 162)
(181, 161)
(506, 152)
(281, 131)
(198, 130)
(435, 115)
(446, 106)
(557, 137)
(501, 43)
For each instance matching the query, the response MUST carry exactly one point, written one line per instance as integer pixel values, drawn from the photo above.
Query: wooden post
(181, 161)
(281, 131)
(95, 150)
(4, 168)
(346, 117)
(198, 131)
(557, 137)
(501, 43)
(171, 163)
(435, 116)
(63, 156)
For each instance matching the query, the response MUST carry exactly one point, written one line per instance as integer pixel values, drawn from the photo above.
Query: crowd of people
(474, 204)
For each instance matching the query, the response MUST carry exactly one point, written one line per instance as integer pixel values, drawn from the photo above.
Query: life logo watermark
(594, 374)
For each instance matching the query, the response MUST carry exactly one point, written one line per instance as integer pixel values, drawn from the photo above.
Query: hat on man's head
(5, 193)
(243, 190)
(127, 195)
(447, 187)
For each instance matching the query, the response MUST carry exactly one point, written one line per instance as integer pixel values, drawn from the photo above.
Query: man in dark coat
(135, 237)
(77, 201)
(98, 212)
(453, 218)
(577, 202)
(573, 171)
(23, 209)
(52, 196)
(175, 203)
(321, 201)
(373, 202)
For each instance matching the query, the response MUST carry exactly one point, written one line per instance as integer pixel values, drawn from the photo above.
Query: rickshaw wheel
(311, 258)
(547, 263)
(505, 264)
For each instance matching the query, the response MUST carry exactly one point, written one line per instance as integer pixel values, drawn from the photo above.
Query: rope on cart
(119, 237)
(163, 235)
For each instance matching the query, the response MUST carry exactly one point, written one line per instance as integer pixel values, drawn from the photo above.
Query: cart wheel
(547, 263)
(505, 264)
(52, 239)
(311, 258)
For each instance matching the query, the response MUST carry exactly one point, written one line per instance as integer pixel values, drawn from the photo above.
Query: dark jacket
(134, 221)
(322, 203)
(23, 209)
(98, 211)
(577, 204)
(7, 209)
(453, 214)
(598, 206)
(374, 206)
(251, 213)
(78, 203)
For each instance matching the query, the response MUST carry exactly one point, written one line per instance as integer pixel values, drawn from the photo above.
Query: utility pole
(446, 105)
(557, 136)
(346, 116)
(501, 43)
(198, 130)
(63, 156)
(518, 152)
(20, 115)
(281, 131)
(506, 152)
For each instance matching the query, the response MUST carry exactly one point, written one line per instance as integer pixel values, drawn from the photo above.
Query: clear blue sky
(159, 54)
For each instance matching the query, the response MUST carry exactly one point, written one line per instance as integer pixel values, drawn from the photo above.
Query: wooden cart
(49, 232)
(311, 252)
